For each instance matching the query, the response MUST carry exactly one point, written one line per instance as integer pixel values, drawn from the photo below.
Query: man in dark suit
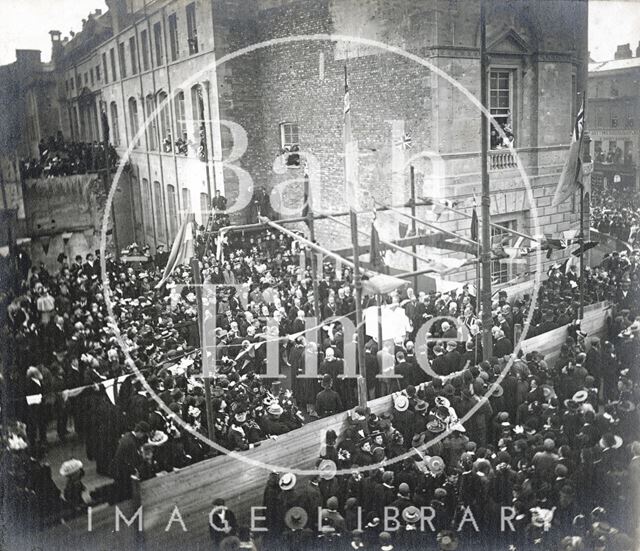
(127, 460)
(546, 325)
(503, 346)
(334, 367)
(453, 357)
(439, 364)
(449, 331)
(403, 368)
(57, 335)
(90, 267)
(328, 400)
(161, 257)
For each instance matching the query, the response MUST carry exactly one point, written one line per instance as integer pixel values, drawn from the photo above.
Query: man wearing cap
(403, 498)
(330, 513)
(328, 401)
(127, 460)
(333, 366)
(384, 492)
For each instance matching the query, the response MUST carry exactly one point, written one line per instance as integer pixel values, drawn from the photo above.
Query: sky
(613, 22)
(25, 24)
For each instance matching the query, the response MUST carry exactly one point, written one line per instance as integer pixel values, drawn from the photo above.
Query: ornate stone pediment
(509, 42)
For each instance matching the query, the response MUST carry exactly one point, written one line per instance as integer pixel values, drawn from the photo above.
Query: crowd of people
(185, 146)
(614, 155)
(552, 438)
(60, 157)
(615, 212)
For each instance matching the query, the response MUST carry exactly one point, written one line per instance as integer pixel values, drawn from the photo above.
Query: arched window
(133, 119)
(115, 124)
(204, 208)
(186, 200)
(165, 123)
(181, 138)
(199, 125)
(147, 214)
(159, 212)
(172, 211)
(152, 127)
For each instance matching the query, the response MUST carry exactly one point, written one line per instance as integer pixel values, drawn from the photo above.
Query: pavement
(59, 452)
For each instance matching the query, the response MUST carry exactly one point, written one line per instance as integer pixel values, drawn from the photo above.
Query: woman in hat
(73, 472)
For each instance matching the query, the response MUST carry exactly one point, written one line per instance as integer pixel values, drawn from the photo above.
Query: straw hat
(580, 396)
(435, 464)
(157, 438)
(70, 467)
(287, 481)
(401, 403)
(327, 469)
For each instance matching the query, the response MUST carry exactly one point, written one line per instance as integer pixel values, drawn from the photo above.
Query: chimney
(29, 59)
(118, 11)
(56, 45)
(623, 52)
(98, 12)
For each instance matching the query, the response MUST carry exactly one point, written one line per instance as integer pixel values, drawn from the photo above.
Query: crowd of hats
(59, 157)
(528, 409)
(615, 212)
(547, 442)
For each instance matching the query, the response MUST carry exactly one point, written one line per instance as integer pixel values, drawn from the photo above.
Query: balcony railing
(501, 160)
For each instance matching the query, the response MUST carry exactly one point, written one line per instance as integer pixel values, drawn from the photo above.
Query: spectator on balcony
(167, 146)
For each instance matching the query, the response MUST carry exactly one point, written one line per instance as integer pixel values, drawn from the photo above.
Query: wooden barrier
(241, 485)
(193, 489)
(594, 324)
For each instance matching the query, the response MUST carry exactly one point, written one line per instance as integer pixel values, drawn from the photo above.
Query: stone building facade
(212, 111)
(614, 118)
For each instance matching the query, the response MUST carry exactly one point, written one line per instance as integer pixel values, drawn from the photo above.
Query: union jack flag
(405, 142)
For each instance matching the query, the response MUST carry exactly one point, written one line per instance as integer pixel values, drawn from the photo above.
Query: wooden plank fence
(594, 324)
(241, 484)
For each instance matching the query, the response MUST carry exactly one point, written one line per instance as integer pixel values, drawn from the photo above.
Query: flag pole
(485, 255)
(353, 218)
(312, 237)
(581, 188)
(197, 282)
(478, 281)
(414, 231)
